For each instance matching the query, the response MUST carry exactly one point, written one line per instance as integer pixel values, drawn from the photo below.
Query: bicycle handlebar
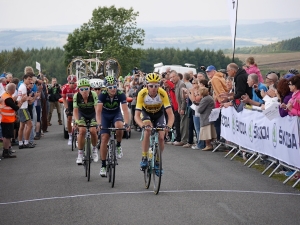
(156, 129)
(113, 128)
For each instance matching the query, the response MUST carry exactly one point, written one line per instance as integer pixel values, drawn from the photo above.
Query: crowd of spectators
(193, 96)
(26, 109)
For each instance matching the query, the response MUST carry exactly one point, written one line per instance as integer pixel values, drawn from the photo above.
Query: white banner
(278, 138)
(38, 66)
(232, 9)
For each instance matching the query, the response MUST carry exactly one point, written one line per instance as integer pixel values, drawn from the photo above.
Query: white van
(161, 68)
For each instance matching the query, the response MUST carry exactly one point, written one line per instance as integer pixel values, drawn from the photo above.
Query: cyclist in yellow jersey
(152, 102)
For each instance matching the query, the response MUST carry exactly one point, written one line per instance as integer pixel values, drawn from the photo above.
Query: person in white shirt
(23, 113)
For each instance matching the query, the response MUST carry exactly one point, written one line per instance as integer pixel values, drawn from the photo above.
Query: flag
(232, 9)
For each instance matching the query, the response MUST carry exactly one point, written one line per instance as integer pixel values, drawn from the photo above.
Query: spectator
(17, 122)
(203, 83)
(23, 113)
(240, 82)
(207, 129)
(170, 89)
(271, 79)
(219, 86)
(195, 98)
(229, 84)
(54, 93)
(294, 71)
(9, 77)
(270, 96)
(2, 85)
(8, 118)
(200, 76)
(284, 95)
(181, 114)
(133, 94)
(251, 67)
(37, 104)
(257, 88)
(188, 77)
(293, 106)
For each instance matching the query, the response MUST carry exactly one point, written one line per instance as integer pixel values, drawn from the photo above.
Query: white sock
(25, 142)
(80, 153)
(95, 149)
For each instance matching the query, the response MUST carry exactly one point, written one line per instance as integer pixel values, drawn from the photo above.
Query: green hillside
(290, 45)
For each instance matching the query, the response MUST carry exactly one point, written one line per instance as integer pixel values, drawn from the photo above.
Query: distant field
(275, 61)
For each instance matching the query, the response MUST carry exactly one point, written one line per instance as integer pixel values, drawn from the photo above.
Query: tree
(113, 30)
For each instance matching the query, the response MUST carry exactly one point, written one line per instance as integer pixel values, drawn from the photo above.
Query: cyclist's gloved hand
(126, 126)
(67, 111)
(100, 126)
(147, 127)
(167, 128)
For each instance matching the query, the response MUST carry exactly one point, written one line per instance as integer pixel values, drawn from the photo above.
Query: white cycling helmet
(96, 83)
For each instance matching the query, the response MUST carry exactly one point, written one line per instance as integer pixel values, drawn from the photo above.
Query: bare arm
(170, 117)
(137, 118)
(99, 112)
(75, 114)
(125, 111)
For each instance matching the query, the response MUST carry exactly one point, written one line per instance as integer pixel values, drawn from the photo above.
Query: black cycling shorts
(157, 119)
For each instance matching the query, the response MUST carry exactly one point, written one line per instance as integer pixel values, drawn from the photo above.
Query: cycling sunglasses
(97, 89)
(71, 83)
(112, 87)
(84, 89)
(153, 85)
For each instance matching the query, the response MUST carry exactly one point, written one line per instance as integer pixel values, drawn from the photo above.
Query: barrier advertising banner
(278, 138)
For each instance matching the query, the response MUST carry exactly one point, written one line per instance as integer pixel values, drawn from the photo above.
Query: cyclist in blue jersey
(109, 112)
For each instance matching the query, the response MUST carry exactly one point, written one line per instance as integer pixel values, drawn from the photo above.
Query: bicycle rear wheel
(113, 162)
(157, 170)
(88, 156)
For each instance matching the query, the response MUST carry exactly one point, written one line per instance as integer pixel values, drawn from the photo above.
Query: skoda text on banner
(278, 138)
(232, 9)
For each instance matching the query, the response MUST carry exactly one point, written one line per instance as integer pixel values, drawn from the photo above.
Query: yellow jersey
(152, 105)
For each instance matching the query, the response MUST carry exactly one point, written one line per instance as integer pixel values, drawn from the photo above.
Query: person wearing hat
(219, 86)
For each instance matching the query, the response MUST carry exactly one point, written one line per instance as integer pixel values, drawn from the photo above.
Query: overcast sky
(39, 13)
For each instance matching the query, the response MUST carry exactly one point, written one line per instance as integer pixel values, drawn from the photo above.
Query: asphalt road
(44, 185)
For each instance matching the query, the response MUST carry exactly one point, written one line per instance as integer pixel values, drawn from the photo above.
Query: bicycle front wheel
(157, 170)
(147, 175)
(88, 156)
(113, 163)
(108, 163)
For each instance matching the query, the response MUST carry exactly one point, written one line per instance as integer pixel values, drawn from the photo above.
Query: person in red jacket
(170, 89)
(68, 92)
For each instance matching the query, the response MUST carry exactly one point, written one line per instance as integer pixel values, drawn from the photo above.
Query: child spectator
(251, 67)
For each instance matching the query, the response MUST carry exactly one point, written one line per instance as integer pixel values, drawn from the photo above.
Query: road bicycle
(111, 157)
(87, 158)
(154, 160)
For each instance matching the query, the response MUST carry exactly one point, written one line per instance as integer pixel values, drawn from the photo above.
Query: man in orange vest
(8, 113)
